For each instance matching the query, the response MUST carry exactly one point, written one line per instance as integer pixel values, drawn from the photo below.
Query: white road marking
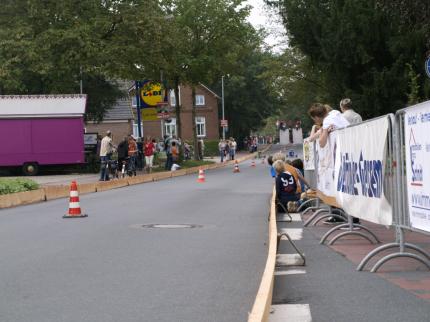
(290, 313)
(296, 216)
(290, 271)
(294, 233)
(289, 260)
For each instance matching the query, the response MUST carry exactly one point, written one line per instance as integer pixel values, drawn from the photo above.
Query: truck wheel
(30, 169)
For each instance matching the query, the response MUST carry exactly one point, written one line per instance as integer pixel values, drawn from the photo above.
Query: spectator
(330, 121)
(232, 148)
(298, 164)
(227, 149)
(175, 152)
(149, 150)
(122, 151)
(132, 153)
(272, 170)
(286, 182)
(221, 149)
(106, 149)
(351, 116)
(167, 147)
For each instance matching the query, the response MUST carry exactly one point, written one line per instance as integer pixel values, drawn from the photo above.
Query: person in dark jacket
(122, 152)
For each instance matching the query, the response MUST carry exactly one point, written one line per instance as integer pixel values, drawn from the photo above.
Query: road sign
(427, 66)
(163, 115)
(224, 123)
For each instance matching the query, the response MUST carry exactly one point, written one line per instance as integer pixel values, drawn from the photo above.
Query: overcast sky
(265, 17)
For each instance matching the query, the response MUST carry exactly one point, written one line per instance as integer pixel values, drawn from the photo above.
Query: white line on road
(290, 313)
(290, 271)
(294, 233)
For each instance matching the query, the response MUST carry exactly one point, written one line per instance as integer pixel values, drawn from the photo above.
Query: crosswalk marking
(294, 233)
(290, 313)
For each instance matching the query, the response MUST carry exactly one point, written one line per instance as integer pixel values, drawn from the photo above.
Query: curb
(263, 301)
(62, 191)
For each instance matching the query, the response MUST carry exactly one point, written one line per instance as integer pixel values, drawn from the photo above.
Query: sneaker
(356, 220)
(333, 221)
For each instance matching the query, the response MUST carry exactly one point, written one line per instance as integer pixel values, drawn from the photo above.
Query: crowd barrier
(376, 171)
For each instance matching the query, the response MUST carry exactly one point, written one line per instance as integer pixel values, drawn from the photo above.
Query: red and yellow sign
(152, 94)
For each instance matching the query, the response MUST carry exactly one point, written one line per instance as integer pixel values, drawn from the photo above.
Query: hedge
(17, 185)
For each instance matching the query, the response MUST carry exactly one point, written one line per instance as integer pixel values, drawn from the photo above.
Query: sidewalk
(65, 179)
(329, 288)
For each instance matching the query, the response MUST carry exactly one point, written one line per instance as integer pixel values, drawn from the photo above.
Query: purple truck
(38, 130)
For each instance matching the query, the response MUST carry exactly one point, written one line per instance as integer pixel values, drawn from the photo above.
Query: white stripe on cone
(74, 193)
(74, 205)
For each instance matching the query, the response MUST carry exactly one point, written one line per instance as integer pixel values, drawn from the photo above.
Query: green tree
(359, 50)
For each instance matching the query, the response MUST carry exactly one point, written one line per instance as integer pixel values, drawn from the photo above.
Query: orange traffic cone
(201, 177)
(253, 163)
(74, 207)
(236, 167)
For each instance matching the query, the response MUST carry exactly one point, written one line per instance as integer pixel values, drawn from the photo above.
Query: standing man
(232, 148)
(106, 149)
(167, 149)
(149, 154)
(351, 116)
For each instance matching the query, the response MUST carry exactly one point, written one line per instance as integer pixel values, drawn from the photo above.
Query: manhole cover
(171, 226)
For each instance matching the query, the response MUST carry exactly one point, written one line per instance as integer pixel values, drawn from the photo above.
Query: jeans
(221, 154)
(232, 153)
(169, 162)
(104, 173)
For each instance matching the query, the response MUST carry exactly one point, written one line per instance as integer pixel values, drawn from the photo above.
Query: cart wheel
(30, 169)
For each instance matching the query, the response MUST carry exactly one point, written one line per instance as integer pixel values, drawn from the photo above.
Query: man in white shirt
(347, 111)
(106, 149)
(330, 121)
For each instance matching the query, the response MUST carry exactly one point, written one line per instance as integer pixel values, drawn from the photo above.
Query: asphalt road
(108, 268)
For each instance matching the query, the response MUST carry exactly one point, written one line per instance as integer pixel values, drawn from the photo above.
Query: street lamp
(222, 94)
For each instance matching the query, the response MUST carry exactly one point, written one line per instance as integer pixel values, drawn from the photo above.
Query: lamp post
(222, 94)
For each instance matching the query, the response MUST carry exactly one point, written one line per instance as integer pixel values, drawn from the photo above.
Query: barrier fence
(376, 171)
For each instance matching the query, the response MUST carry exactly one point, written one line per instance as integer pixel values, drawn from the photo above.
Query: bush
(211, 149)
(17, 185)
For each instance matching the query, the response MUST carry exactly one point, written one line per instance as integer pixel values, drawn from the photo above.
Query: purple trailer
(40, 130)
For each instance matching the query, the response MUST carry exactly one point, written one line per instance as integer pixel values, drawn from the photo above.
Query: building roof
(210, 91)
(121, 110)
(30, 106)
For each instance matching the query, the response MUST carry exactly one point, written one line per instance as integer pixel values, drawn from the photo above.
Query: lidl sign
(152, 94)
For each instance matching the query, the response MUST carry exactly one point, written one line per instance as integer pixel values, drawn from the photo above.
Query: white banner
(325, 159)
(308, 155)
(359, 171)
(417, 151)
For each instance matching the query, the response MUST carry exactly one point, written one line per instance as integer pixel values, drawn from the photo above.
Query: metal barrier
(401, 213)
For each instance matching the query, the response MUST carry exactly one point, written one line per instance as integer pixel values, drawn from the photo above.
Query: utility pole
(222, 94)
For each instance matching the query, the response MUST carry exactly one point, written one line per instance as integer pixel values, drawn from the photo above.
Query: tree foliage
(358, 49)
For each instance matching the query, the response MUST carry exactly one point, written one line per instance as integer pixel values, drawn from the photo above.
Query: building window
(135, 129)
(200, 100)
(201, 126)
(169, 129)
